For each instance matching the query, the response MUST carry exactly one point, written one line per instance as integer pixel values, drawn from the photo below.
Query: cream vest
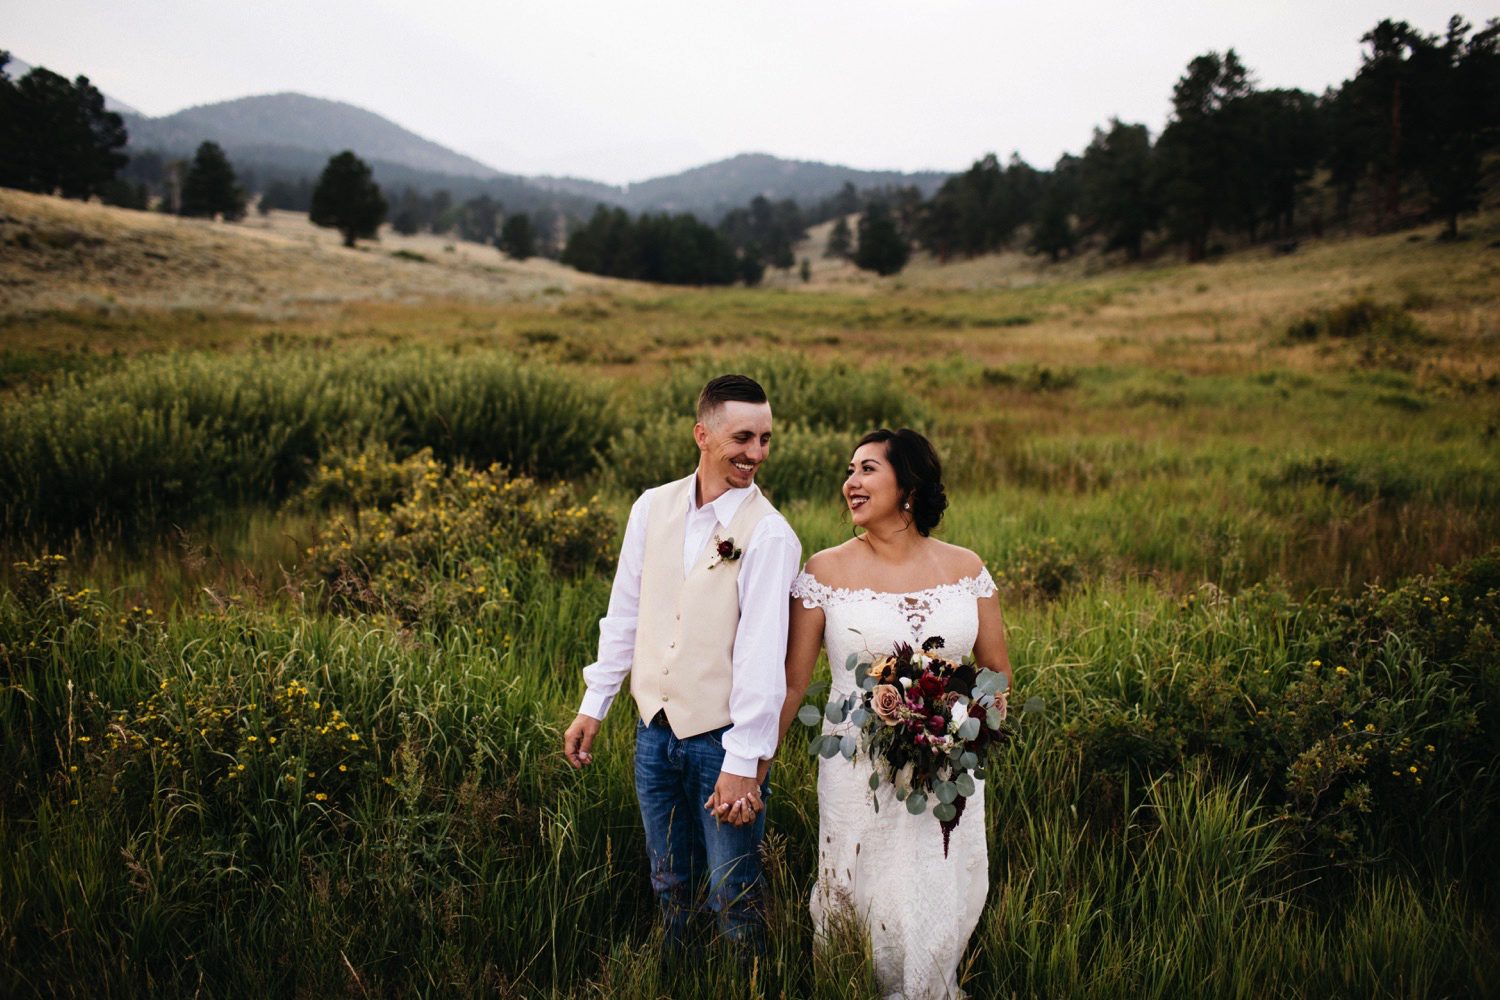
(684, 633)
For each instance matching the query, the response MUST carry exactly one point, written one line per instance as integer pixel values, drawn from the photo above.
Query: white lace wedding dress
(886, 867)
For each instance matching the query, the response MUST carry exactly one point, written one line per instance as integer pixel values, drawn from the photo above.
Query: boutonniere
(724, 551)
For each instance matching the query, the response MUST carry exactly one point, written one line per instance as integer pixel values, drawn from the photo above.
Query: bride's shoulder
(961, 563)
(827, 564)
(832, 568)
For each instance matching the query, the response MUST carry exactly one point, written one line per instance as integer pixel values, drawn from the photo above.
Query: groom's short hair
(728, 389)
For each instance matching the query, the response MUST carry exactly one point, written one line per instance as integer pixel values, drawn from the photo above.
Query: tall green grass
(1141, 841)
(171, 438)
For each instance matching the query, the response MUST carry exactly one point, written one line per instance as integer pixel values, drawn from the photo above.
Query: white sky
(626, 90)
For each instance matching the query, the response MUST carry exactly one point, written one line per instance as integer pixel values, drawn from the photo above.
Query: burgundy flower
(724, 551)
(937, 723)
(931, 685)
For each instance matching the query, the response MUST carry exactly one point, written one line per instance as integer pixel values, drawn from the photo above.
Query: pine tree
(56, 135)
(839, 239)
(348, 199)
(517, 238)
(882, 248)
(210, 187)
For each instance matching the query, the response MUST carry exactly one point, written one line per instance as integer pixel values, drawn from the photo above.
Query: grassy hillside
(286, 658)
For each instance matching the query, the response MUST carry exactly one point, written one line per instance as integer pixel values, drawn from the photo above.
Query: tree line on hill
(1238, 163)
(1404, 141)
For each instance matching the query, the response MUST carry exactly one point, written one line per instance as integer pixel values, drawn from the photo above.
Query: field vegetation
(293, 606)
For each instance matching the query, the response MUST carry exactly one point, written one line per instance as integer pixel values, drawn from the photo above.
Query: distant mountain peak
(290, 120)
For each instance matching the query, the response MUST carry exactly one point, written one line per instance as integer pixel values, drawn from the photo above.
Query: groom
(698, 620)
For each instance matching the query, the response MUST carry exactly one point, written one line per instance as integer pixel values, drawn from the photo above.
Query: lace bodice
(871, 622)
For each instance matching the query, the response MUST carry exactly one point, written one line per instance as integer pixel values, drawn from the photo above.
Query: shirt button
(672, 644)
(664, 670)
(663, 697)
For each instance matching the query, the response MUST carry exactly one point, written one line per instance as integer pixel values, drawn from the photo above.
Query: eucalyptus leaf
(851, 661)
(946, 791)
(834, 713)
(809, 715)
(901, 794)
(968, 730)
(859, 717)
(874, 780)
(945, 811)
(965, 784)
(830, 746)
(979, 773)
(992, 719)
(868, 683)
(847, 745)
(968, 760)
(916, 803)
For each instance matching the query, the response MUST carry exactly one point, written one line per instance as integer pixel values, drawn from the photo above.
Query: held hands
(736, 800)
(578, 741)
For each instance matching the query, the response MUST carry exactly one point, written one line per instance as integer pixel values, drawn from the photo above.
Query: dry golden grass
(86, 277)
(64, 255)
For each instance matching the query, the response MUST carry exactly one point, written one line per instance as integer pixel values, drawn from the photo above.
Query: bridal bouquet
(926, 723)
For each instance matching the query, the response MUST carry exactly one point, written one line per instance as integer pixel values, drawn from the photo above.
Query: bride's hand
(735, 799)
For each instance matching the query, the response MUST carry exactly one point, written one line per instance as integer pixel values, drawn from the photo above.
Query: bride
(894, 583)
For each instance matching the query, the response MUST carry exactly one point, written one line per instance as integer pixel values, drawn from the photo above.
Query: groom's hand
(735, 799)
(579, 740)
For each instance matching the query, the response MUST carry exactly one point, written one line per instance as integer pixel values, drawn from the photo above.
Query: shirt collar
(725, 507)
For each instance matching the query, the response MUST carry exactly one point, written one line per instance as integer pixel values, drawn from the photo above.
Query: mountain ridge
(286, 131)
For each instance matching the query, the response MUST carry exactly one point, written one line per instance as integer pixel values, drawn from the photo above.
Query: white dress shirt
(771, 559)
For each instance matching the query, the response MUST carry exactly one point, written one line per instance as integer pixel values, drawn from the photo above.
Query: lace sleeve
(983, 585)
(812, 593)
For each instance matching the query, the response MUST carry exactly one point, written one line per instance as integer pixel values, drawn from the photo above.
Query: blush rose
(885, 700)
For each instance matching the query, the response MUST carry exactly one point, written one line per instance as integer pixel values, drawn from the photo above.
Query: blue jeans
(697, 863)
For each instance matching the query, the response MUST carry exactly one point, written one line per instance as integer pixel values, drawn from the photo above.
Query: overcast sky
(620, 91)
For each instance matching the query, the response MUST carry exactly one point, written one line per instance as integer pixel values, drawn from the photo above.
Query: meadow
(293, 606)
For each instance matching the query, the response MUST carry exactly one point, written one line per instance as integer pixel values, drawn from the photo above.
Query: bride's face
(871, 490)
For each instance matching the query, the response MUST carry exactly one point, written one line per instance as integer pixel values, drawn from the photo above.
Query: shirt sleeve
(604, 677)
(758, 688)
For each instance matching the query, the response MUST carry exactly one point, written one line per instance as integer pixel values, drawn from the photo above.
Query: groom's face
(732, 443)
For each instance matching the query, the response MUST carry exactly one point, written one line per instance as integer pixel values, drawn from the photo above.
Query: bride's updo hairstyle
(918, 473)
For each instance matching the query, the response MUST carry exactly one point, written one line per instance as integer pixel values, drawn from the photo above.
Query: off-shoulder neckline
(980, 580)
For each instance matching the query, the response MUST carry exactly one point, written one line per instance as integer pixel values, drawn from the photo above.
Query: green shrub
(1359, 318)
(1042, 569)
(486, 408)
(1360, 480)
(217, 742)
(1391, 727)
(171, 438)
(444, 542)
